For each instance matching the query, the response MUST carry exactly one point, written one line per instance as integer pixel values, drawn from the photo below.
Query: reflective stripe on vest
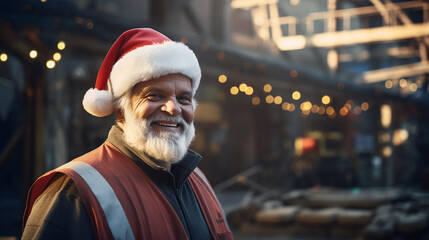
(198, 171)
(112, 208)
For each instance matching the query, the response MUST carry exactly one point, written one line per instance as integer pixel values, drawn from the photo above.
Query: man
(142, 183)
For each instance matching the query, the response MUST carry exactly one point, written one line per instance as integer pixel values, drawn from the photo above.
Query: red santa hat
(138, 55)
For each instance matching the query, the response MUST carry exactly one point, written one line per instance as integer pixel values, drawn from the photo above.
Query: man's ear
(119, 116)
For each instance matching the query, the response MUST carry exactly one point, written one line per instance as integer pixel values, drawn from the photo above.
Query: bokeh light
(3, 57)
(296, 95)
(33, 54)
(50, 64)
(61, 45)
(222, 78)
(326, 99)
(268, 88)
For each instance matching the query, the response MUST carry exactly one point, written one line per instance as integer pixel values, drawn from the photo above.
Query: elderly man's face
(159, 117)
(169, 95)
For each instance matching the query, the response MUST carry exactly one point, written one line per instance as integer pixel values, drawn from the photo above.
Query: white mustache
(159, 117)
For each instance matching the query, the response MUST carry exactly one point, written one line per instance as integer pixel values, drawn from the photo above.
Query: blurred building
(330, 93)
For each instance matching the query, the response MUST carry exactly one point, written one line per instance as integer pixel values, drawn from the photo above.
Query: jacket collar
(180, 170)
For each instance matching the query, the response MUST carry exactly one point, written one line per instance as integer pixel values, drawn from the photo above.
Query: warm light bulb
(326, 99)
(222, 78)
(267, 88)
(403, 83)
(330, 111)
(278, 100)
(386, 115)
(315, 109)
(296, 95)
(234, 90)
(57, 57)
(285, 106)
(249, 90)
(3, 57)
(50, 64)
(306, 106)
(364, 106)
(256, 101)
(61, 45)
(33, 54)
(388, 84)
(243, 87)
(348, 106)
(344, 111)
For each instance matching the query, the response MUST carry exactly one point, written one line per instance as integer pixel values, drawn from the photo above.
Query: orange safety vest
(124, 203)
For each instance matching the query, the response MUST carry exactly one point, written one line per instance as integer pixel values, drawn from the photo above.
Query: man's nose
(172, 107)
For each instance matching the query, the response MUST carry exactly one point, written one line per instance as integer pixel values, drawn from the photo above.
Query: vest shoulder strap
(112, 208)
(210, 206)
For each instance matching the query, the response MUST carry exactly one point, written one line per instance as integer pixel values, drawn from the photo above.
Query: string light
(388, 84)
(344, 111)
(348, 106)
(57, 57)
(364, 106)
(3, 57)
(296, 95)
(243, 87)
(306, 106)
(256, 100)
(222, 78)
(413, 87)
(326, 99)
(315, 108)
(387, 151)
(33, 54)
(249, 90)
(403, 83)
(330, 111)
(285, 106)
(278, 100)
(61, 45)
(267, 88)
(50, 64)
(234, 90)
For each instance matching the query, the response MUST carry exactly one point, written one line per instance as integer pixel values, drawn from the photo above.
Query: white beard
(168, 147)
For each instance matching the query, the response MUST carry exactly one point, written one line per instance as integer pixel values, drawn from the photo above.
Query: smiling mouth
(167, 124)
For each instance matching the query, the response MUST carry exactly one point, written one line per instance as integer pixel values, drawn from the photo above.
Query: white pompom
(98, 102)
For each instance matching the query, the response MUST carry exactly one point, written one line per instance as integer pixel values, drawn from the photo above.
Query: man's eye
(153, 97)
(184, 99)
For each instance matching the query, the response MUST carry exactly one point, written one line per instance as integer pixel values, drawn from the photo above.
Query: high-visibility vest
(124, 203)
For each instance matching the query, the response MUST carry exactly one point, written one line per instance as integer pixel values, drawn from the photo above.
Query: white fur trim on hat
(153, 61)
(98, 102)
